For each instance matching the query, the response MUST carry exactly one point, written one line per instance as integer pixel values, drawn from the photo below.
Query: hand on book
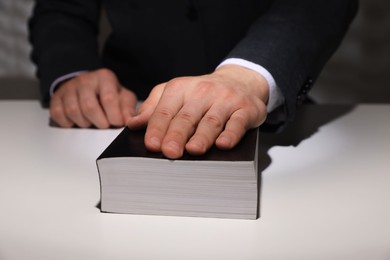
(193, 113)
(92, 98)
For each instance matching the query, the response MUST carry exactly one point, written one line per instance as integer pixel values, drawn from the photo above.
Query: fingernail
(172, 145)
(196, 146)
(155, 142)
(224, 140)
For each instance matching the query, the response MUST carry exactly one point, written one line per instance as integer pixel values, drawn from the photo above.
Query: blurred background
(359, 72)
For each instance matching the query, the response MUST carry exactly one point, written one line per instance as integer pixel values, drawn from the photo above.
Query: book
(218, 184)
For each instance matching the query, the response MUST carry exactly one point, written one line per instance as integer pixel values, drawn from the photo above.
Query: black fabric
(153, 41)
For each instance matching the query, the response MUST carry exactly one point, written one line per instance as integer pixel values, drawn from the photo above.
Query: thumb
(146, 109)
(128, 102)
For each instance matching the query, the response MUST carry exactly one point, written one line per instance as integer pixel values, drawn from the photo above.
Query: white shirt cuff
(59, 80)
(276, 97)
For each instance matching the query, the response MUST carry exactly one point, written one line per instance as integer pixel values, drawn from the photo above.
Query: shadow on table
(308, 120)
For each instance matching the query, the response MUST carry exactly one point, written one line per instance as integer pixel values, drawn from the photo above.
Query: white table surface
(326, 198)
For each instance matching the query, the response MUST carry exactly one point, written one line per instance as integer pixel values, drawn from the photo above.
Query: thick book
(219, 184)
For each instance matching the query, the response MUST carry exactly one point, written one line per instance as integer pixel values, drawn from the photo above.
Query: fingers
(209, 128)
(91, 109)
(240, 121)
(93, 98)
(196, 127)
(108, 92)
(182, 127)
(65, 108)
(168, 106)
(195, 113)
(128, 102)
(233, 132)
(140, 118)
(57, 113)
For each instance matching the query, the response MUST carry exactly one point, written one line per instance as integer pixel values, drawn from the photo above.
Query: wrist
(61, 80)
(253, 81)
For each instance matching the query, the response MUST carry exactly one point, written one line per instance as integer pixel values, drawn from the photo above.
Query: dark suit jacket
(153, 41)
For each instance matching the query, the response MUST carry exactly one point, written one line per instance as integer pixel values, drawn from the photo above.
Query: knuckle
(257, 112)
(205, 86)
(164, 113)
(173, 86)
(104, 72)
(83, 79)
(176, 83)
(214, 121)
(259, 103)
(246, 101)
(108, 97)
(71, 109)
(61, 89)
(187, 118)
(56, 112)
(241, 121)
(87, 106)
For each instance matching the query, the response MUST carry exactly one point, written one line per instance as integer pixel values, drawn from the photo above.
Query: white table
(326, 198)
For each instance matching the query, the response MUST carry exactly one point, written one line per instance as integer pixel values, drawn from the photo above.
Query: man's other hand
(92, 99)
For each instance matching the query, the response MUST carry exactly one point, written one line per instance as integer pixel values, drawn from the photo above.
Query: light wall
(14, 48)
(360, 69)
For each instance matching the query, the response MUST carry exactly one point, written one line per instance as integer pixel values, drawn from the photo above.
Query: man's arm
(64, 39)
(293, 40)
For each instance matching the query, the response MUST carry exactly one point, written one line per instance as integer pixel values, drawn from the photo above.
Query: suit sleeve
(293, 40)
(63, 35)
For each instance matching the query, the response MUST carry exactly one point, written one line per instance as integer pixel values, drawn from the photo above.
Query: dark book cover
(130, 143)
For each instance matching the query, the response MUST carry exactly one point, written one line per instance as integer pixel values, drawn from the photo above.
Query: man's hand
(92, 98)
(193, 113)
